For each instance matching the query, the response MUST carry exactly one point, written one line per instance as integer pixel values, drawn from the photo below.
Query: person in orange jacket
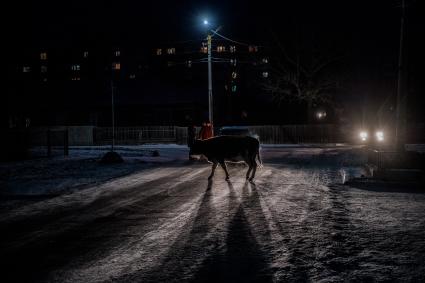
(206, 131)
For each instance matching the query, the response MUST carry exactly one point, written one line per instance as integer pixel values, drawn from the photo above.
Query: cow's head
(197, 148)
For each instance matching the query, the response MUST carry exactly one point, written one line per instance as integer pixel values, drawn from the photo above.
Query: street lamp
(209, 51)
(210, 97)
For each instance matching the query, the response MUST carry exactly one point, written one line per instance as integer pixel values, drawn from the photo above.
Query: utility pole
(112, 156)
(210, 97)
(400, 124)
(113, 115)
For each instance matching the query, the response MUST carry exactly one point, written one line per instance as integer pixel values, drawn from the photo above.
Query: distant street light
(321, 115)
(206, 22)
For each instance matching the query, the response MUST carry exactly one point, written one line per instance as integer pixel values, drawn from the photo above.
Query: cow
(229, 148)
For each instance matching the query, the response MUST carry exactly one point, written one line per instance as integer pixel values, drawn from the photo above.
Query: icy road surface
(169, 224)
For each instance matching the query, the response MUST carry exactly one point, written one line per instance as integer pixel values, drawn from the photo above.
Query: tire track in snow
(76, 223)
(303, 205)
(85, 197)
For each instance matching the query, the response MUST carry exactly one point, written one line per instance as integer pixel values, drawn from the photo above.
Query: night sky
(364, 34)
(180, 17)
(341, 22)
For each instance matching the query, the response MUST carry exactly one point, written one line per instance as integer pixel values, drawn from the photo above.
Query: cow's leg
(249, 169)
(223, 164)
(214, 166)
(254, 168)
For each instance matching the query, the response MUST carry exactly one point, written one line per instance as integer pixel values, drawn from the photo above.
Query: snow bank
(59, 174)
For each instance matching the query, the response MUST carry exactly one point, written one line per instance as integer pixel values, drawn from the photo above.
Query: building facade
(162, 85)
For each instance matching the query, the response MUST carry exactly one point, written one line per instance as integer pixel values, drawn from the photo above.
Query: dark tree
(306, 76)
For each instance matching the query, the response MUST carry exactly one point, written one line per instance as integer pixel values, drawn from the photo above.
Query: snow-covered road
(297, 222)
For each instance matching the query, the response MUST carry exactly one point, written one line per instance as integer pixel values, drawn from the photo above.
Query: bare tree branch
(301, 80)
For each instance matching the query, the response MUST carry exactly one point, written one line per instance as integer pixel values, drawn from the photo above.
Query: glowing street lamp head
(206, 22)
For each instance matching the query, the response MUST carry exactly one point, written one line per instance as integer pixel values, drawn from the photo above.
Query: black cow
(229, 148)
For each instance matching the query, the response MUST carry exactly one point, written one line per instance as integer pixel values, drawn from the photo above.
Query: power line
(215, 32)
(182, 41)
(231, 40)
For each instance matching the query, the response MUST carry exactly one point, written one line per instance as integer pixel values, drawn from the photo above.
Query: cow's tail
(260, 165)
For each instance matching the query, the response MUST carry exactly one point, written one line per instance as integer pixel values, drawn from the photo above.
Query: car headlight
(379, 136)
(363, 135)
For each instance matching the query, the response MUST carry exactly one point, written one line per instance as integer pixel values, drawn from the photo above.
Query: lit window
(132, 76)
(189, 63)
(233, 62)
(252, 48)
(43, 56)
(159, 51)
(204, 49)
(116, 66)
(171, 51)
(75, 67)
(221, 48)
(117, 53)
(26, 69)
(85, 54)
(232, 49)
(75, 78)
(265, 60)
(265, 74)
(234, 88)
(234, 75)
(43, 69)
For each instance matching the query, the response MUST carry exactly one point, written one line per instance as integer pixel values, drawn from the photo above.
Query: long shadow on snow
(240, 260)
(244, 259)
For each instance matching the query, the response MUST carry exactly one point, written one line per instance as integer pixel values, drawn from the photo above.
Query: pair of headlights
(379, 135)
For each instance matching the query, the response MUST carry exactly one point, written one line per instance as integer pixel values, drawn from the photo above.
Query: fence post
(65, 143)
(175, 134)
(49, 144)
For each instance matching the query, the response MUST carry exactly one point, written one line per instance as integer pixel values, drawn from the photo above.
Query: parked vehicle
(237, 131)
